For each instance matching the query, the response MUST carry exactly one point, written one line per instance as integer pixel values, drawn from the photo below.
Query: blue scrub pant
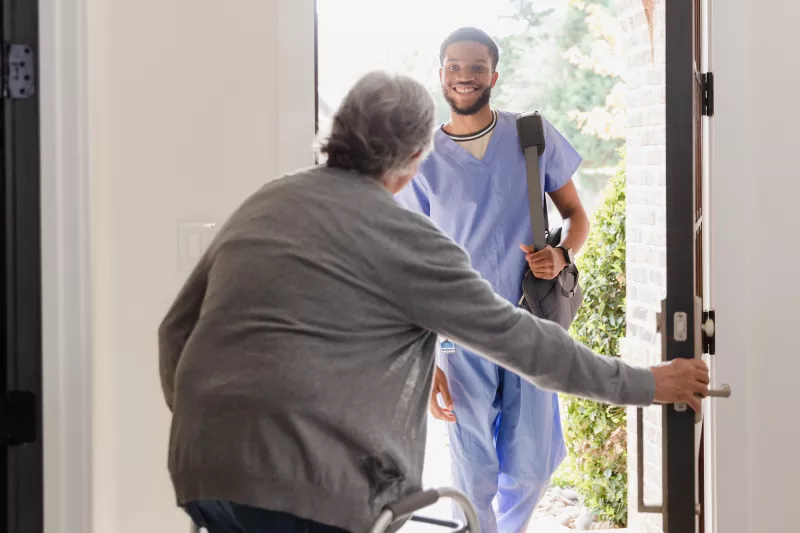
(506, 442)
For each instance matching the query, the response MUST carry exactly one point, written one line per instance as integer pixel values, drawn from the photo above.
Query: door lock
(709, 330)
(704, 330)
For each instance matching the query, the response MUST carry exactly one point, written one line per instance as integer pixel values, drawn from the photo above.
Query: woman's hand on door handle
(681, 380)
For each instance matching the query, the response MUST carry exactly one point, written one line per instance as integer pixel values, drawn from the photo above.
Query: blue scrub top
(483, 204)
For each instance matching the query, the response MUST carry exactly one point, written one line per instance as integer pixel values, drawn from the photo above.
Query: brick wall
(646, 227)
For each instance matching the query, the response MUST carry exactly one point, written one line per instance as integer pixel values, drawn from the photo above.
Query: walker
(405, 509)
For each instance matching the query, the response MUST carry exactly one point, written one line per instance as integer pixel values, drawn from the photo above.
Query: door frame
(679, 463)
(731, 221)
(66, 212)
(22, 463)
(709, 422)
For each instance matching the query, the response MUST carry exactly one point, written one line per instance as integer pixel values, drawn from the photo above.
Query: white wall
(190, 110)
(756, 179)
(189, 105)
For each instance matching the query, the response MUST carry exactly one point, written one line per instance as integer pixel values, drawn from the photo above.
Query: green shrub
(596, 433)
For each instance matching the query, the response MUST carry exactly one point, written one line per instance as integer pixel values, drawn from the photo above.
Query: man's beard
(479, 104)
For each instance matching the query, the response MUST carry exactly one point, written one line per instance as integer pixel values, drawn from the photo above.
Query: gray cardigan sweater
(298, 357)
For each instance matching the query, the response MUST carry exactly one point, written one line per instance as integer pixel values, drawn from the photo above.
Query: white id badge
(447, 347)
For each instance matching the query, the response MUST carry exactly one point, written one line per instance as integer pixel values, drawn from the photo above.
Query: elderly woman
(298, 358)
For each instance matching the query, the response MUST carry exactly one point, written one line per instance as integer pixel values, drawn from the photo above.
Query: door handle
(723, 392)
(701, 327)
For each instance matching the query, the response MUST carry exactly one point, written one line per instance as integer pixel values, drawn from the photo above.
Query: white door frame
(727, 446)
(66, 283)
(708, 296)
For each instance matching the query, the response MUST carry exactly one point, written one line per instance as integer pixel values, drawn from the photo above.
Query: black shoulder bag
(555, 299)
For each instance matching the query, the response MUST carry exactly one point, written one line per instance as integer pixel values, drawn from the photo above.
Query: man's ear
(441, 74)
(495, 75)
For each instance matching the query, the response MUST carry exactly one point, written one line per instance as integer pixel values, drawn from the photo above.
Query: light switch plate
(193, 240)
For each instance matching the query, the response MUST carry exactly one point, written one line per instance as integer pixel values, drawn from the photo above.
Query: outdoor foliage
(596, 433)
(575, 82)
(580, 84)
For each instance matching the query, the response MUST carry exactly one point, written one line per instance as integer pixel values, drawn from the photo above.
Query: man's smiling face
(467, 76)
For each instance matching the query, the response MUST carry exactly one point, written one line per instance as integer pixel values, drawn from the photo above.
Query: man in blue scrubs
(505, 434)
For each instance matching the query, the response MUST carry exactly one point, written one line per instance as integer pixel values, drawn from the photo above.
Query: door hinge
(708, 94)
(18, 71)
(709, 329)
(19, 418)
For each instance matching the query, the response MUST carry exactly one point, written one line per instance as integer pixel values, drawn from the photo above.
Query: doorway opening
(596, 69)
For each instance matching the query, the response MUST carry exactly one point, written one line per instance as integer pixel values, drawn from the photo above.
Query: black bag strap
(531, 140)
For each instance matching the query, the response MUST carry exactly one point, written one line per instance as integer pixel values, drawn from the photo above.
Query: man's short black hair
(474, 35)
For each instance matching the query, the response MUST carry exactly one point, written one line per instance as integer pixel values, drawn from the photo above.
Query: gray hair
(384, 121)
